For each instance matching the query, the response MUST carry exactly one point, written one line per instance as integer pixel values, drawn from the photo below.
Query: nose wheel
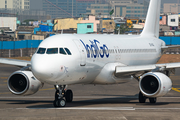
(69, 96)
(60, 94)
(59, 103)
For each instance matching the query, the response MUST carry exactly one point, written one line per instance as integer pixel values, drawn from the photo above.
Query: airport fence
(171, 40)
(18, 48)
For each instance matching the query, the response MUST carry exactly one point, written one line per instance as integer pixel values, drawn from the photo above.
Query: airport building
(18, 8)
(99, 9)
(68, 8)
(137, 10)
(25, 14)
(15, 4)
(8, 22)
(21, 10)
(121, 8)
(171, 8)
(129, 8)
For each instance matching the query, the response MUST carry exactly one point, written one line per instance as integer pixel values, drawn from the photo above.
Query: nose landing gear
(60, 94)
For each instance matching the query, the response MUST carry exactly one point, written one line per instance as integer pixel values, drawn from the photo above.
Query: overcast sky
(37, 4)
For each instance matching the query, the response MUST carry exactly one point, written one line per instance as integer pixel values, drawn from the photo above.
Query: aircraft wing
(19, 63)
(165, 48)
(135, 70)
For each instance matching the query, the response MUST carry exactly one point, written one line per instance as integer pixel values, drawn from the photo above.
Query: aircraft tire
(152, 100)
(56, 94)
(54, 103)
(69, 96)
(62, 103)
(59, 103)
(142, 98)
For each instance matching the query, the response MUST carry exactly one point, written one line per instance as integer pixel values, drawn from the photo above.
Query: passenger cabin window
(52, 51)
(68, 51)
(41, 50)
(61, 51)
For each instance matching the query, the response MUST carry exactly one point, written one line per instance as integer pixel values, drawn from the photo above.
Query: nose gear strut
(60, 94)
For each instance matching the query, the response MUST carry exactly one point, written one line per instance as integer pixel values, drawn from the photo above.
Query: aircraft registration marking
(65, 69)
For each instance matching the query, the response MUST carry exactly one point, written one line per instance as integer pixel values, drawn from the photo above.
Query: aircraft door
(82, 52)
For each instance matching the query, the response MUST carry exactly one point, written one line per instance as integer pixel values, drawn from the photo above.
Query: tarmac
(100, 102)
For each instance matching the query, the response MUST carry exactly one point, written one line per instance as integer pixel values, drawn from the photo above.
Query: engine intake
(155, 84)
(23, 83)
(150, 84)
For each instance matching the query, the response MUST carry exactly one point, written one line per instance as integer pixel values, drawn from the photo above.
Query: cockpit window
(61, 51)
(67, 50)
(41, 50)
(52, 51)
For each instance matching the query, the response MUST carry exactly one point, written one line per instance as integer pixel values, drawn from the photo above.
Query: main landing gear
(60, 94)
(142, 99)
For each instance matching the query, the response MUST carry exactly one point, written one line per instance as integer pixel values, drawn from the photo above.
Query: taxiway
(100, 102)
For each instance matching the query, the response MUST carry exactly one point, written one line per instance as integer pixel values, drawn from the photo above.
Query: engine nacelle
(23, 83)
(155, 84)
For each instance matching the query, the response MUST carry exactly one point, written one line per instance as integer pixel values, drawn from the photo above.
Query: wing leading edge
(19, 63)
(134, 70)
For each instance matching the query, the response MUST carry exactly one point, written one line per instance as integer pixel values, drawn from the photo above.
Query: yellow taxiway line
(176, 89)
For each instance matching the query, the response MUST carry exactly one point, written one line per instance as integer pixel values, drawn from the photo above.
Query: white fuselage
(94, 58)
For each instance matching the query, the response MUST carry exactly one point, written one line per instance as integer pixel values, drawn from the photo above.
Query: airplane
(69, 59)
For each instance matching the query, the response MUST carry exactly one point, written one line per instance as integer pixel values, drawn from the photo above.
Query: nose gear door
(82, 52)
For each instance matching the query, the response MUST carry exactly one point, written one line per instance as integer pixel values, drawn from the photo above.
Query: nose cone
(40, 68)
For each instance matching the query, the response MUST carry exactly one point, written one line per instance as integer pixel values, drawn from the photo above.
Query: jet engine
(155, 84)
(23, 83)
